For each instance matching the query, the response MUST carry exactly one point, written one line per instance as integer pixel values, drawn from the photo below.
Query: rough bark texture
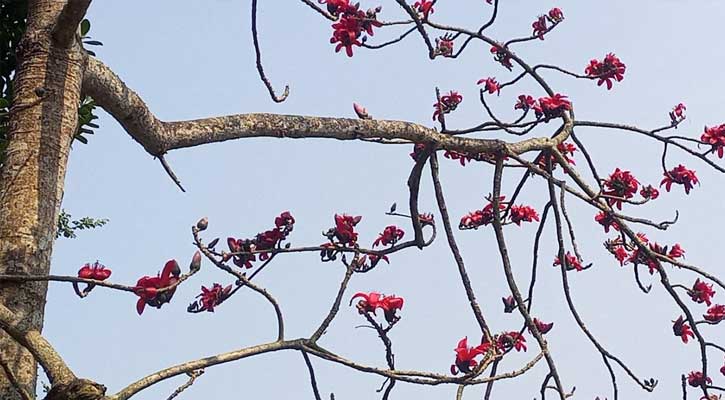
(42, 123)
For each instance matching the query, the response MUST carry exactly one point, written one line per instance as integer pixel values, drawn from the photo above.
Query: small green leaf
(4, 103)
(81, 139)
(85, 27)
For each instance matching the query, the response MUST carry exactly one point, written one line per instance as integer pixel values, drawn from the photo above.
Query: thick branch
(68, 20)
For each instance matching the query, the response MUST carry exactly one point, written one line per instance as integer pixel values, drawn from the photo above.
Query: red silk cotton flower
(697, 379)
(681, 329)
(556, 15)
(465, 356)
(715, 136)
(622, 185)
(551, 107)
(210, 298)
(490, 85)
(572, 262)
(701, 292)
(523, 213)
(370, 302)
(539, 27)
(351, 24)
(424, 7)
(681, 176)
(715, 314)
(147, 287)
(344, 230)
(610, 68)
(390, 235)
(96, 271)
(479, 218)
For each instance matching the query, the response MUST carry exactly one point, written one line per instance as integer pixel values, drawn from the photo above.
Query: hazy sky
(190, 59)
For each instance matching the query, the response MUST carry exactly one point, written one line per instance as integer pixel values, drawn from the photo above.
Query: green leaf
(85, 27)
(81, 139)
(4, 103)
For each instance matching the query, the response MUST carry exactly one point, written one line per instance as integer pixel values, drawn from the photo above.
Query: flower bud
(202, 224)
(195, 262)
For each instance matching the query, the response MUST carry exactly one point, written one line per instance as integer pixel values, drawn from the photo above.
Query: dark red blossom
(243, 250)
(351, 24)
(620, 185)
(715, 137)
(511, 340)
(524, 102)
(556, 15)
(390, 235)
(681, 176)
(210, 298)
(96, 271)
(677, 114)
(551, 107)
(539, 27)
(483, 217)
(681, 329)
(620, 253)
(509, 304)
(502, 56)
(490, 85)
(344, 230)
(424, 7)
(444, 45)
(649, 192)
(701, 292)
(543, 327)
(697, 379)
(446, 104)
(454, 155)
(715, 314)
(465, 356)
(523, 213)
(370, 302)
(147, 287)
(676, 251)
(336, 7)
(607, 221)
(572, 262)
(610, 68)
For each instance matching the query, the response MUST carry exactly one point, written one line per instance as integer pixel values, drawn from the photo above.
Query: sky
(191, 59)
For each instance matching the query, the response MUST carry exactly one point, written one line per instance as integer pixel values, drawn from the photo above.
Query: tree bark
(42, 124)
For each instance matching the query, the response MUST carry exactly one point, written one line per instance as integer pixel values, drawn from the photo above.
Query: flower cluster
(243, 251)
(639, 256)
(502, 55)
(681, 329)
(610, 68)
(370, 302)
(446, 104)
(697, 379)
(621, 185)
(677, 114)
(210, 298)
(551, 107)
(478, 218)
(351, 24)
(715, 137)
(681, 176)
(463, 158)
(159, 289)
(96, 271)
(540, 27)
(490, 85)
(572, 262)
(523, 213)
(390, 235)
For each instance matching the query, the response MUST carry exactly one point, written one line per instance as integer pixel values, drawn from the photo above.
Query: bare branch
(67, 24)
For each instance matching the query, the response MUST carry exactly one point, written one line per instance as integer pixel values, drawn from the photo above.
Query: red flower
(715, 313)
(567, 149)
(525, 102)
(715, 136)
(543, 327)
(491, 86)
(621, 184)
(681, 176)
(336, 7)
(446, 104)
(502, 55)
(607, 221)
(96, 271)
(676, 251)
(606, 70)
(444, 45)
(424, 7)
(551, 107)
(648, 192)
(426, 219)
(556, 15)
(370, 302)
(539, 27)
(147, 287)
(454, 155)
(509, 304)
(620, 253)
(701, 292)
(390, 235)
(523, 213)
(351, 24)
(210, 298)
(677, 114)
(479, 218)
(571, 262)
(508, 340)
(696, 379)
(465, 356)
(681, 329)
(344, 230)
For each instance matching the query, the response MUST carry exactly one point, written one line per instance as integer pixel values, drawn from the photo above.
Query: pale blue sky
(190, 59)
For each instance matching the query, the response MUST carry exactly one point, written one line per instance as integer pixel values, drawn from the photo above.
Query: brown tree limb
(67, 24)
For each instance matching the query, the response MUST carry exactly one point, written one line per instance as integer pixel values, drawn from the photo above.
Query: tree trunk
(42, 124)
